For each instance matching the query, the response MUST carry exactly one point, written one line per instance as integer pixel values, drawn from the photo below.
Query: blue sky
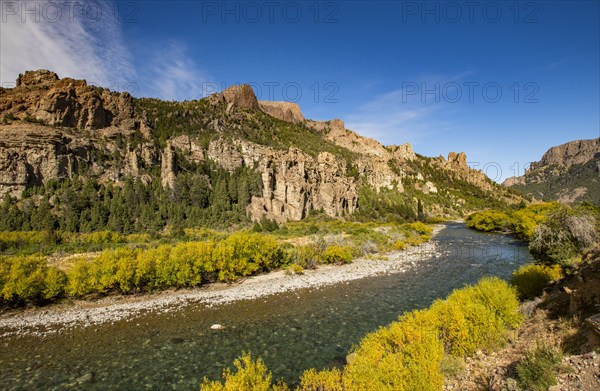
(502, 81)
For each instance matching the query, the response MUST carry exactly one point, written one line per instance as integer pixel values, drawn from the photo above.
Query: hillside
(79, 157)
(568, 173)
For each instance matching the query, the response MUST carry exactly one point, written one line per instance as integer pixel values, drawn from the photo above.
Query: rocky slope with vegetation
(568, 173)
(557, 346)
(96, 159)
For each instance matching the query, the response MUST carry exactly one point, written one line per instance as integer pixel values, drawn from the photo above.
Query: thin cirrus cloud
(409, 113)
(65, 40)
(89, 43)
(172, 74)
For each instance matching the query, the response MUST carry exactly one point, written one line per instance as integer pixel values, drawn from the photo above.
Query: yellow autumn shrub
(250, 375)
(406, 355)
(326, 380)
(530, 280)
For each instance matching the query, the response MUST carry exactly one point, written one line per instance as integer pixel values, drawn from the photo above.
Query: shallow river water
(291, 331)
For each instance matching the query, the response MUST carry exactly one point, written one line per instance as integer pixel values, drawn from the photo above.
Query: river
(291, 331)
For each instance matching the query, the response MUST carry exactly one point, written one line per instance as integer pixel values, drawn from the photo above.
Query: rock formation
(568, 154)
(32, 155)
(569, 172)
(240, 96)
(55, 128)
(285, 111)
(40, 96)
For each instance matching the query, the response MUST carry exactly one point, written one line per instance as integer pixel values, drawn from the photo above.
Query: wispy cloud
(65, 40)
(172, 74)
(89, 43)
(407, 114)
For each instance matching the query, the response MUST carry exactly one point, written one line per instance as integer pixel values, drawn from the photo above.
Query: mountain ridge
(569, 172)
(304, 165)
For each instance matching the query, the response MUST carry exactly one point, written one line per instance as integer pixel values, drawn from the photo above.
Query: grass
(537, 370)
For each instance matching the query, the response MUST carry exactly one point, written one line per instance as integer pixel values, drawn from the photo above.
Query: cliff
(569, 172)
(54, 129)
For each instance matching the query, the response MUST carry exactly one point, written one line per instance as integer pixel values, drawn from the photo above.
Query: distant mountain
(569, 172)
(107, 160)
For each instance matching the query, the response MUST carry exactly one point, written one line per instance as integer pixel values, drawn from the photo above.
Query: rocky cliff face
(42, 96)
(568, 154)
(569, 172)
(293, 182)
(33, 154)
(284, 111)
(457, 163)
(56, 128)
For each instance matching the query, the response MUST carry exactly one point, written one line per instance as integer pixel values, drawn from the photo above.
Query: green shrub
(305, 256)
(327, 380)
(537, 370)
(243, 254)
(138, 238)
(403, 356)
(337, 254)
(399, 245)
(23, 239)
(55, 282)
(420, 228)
(497, 295)
(452, 365)
(79, 282)
(530, 280)
(526, 220)
(415, 240)
(101, 237)
(28, 279)
(113, 270)
(183, 264)
(489, 220)
(477, 317)
(565, 234)
(296, 269)
(250, 375)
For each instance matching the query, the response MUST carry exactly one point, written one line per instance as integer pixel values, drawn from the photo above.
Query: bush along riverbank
(137, 263)
(408, 354)
(558, 343)
(557, 234)
(476, 337)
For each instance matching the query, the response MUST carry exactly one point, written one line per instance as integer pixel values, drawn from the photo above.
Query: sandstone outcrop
(55, 128)
(568, 173)
(294, 183)
(457, 164)
(241, 96)
(574, 152)
(285, 111)
(40, 96)
(32, 155)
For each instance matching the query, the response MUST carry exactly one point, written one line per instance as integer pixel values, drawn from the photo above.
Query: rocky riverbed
(84, 313)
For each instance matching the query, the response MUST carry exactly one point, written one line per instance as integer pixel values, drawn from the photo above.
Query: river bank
(41, 321)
